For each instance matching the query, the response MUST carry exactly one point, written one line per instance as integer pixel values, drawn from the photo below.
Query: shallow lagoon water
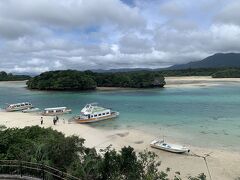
(203, 116)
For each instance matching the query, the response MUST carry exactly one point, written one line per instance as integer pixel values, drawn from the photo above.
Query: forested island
(68, 154)
(10, 77)
(88, 80)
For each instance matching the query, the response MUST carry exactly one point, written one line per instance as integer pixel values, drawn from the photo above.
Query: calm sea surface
(204, 116)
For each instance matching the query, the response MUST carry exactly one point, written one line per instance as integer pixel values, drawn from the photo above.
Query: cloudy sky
(42, 35)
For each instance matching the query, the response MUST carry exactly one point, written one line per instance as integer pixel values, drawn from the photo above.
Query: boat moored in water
(30, 110)
(18, 106)
(93, 113)
(175, 148)
(56, 111)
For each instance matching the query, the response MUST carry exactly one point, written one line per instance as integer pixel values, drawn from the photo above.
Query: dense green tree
(40, 145)
(62, 80)
(227, 73)
(10, 77)
(35, 144)
(214, 72)
(77, 80)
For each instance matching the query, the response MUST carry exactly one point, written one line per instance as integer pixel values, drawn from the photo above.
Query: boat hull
(92, 120)
(171, 148)
(18, 108)
(31, 110)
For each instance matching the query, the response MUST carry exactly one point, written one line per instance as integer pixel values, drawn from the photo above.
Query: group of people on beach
(55, 120)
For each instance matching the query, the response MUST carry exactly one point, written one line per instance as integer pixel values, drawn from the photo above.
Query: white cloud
(174, 8)
(71, 13)
(132, 44)
(229, 14)
(18, 69)
(36, 62)
(43, 35)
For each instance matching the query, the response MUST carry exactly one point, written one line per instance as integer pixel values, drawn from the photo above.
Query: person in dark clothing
(54, 121)
(41, 120)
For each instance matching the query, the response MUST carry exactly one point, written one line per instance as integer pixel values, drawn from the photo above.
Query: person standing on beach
(54, 121)
(41, 120)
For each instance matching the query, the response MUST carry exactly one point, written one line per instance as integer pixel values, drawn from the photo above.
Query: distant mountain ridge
(121, 70)
(219, 60)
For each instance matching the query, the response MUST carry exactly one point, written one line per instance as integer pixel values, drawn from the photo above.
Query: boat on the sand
(18, 106)
(175, 148)
(93, 113)
(56, 111)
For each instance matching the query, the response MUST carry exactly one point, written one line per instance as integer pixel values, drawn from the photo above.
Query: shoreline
(171, 82)
(198, 81)
(114, 88)
(223, 164)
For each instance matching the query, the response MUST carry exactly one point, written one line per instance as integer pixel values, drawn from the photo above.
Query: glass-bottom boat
(93, 113)
(56, 111)
(18, 106)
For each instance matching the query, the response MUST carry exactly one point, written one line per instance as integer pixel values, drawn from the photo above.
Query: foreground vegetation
(87, 80)
(35, 144)
(10, 77)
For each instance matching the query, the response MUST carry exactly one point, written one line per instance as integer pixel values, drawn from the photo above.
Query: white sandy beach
(198, 81)
(186, 81)
(223, 164)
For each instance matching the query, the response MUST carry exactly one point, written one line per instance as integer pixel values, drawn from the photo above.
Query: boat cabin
(18, 106)
(91, 111)
(56, 110)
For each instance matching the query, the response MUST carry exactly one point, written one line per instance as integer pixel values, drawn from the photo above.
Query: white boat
(93, 113)
(175, 148)
(56, 111)
(30, 110)
(18, 106)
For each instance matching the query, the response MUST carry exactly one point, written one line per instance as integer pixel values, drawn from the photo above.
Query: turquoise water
(204, 116)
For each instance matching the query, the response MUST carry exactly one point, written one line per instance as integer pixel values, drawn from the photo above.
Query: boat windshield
(166, 145)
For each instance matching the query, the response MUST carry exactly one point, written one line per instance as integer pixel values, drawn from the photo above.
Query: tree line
(68, 154)
(214, 72)
(87, 80)
(227, 73)
(10, 77)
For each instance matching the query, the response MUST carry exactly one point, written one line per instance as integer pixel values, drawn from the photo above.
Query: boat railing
(94, 104)
(30, 169)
